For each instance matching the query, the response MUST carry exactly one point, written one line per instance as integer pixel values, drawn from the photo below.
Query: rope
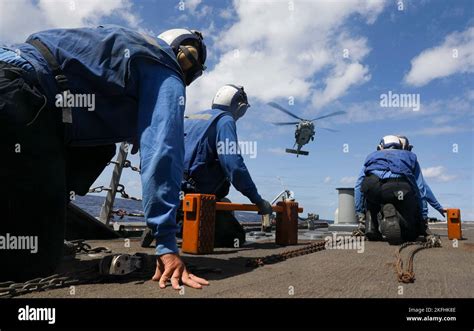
(408, 276)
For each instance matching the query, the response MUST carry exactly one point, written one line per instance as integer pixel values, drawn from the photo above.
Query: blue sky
(283, 49)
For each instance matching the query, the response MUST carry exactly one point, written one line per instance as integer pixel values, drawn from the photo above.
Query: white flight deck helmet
(390, 142)
(178, 39)
(405, 143)
(231, 98)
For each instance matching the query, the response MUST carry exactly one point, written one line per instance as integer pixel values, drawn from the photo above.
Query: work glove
(360, 231)
(264, 207)
(442, 211)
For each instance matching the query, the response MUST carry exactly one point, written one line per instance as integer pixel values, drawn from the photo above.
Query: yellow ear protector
(192, 67)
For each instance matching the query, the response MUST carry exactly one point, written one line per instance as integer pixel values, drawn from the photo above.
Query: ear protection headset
(405, 143)
(243, 104)
(196, 67)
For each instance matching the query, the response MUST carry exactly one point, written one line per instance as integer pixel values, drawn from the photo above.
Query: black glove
(264, 207)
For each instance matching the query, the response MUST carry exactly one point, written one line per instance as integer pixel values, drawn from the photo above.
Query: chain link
(128, 164)
(122, 212)
(11, 289)
(121, 190)
(81, 247)
(99, 189)
(274, 258)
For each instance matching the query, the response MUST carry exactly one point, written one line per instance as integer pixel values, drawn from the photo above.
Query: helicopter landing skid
(294, 151)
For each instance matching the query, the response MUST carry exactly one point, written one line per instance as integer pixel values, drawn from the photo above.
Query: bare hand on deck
(171, 267)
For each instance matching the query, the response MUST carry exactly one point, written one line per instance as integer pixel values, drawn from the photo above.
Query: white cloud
(192, 4)
(440, 61)
(276, 52)
(350, 181)
(456, 111)
(438, 130)
(47, 14)
(327, 180)
(437, 173)
(340, 82)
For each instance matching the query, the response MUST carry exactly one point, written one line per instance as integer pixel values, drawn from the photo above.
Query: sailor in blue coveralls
(138, 87)
(391, 194)
(210, 167)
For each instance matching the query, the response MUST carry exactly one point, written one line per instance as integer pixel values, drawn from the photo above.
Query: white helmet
(405, 143)
(390, 142)
(177, 39)
(231, 98)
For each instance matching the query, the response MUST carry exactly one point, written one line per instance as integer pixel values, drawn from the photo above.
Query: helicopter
(305, 129)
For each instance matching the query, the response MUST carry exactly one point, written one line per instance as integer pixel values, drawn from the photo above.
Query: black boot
(390, 225)
(371, 228)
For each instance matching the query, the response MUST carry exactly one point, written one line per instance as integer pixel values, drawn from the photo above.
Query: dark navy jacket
(202, 162)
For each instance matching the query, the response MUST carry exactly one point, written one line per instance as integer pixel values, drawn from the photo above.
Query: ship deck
(446, 272)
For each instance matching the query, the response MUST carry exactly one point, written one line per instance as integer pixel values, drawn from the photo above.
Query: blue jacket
(140, 93)
(202, 162)
(98, 61)
(393, 163)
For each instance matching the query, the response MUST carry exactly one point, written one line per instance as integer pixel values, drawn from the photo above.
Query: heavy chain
(122, 212)
(408, 276)
(121, 190)
(274, 258)
(128, 164)
(99, 189)
(11, 289)
(81, 247)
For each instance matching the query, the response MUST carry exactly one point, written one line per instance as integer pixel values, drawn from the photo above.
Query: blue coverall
(209, 169)
(424, 191)
(160, 95)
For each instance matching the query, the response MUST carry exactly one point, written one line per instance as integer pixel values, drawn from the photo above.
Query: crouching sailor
(211, 165)
(391, 195)
(138, 83)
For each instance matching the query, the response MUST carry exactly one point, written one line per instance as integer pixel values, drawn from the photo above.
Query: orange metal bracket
(228, 206)
(199, 221)
(454, 223)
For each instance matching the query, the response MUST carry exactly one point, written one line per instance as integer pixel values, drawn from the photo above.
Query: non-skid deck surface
(446, 272)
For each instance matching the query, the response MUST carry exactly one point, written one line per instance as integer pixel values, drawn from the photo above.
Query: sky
(314, 57)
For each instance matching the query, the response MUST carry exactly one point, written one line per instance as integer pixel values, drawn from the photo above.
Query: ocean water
(92, 204)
